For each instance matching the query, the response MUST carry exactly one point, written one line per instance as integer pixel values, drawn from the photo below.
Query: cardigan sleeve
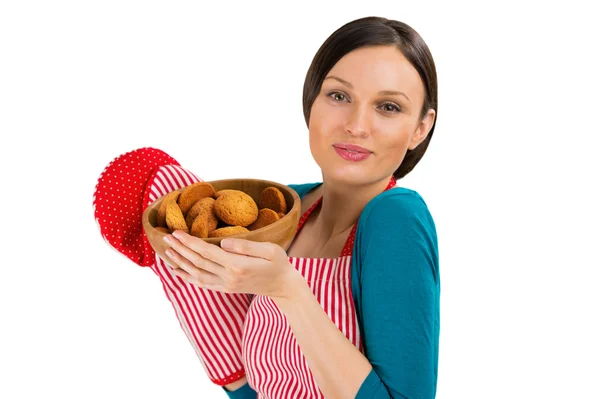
(399, 296)
(243, 392)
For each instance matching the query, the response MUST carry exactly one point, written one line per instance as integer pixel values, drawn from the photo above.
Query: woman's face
(353, 109)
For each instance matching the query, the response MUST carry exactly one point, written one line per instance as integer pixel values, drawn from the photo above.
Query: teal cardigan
(396, 293)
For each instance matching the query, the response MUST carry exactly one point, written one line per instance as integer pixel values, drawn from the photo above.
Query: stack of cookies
(205, 213)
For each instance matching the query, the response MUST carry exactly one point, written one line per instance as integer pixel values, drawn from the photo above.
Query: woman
(352, 309)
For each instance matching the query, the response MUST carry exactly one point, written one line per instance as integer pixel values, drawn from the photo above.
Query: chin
(347, 175)
(339, 171)
(354, 175)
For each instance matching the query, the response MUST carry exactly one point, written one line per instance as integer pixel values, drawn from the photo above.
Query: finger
(208, 251)
(175, 269)
(183, 246)
(202, 282)
(174, 261)
(195, 273)
(265, 250)
(167, 261)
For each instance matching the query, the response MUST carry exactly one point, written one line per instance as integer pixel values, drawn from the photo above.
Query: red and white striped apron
(274, 363)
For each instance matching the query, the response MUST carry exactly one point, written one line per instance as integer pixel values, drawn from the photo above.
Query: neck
(342, 205)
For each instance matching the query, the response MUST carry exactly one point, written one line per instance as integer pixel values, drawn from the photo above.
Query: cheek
(317, 116)
(320, 123)
(321, 126)
(394, 144)
(325, 113)
(317, 140)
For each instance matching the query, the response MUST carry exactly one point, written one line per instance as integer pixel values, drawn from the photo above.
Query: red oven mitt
(213, 321)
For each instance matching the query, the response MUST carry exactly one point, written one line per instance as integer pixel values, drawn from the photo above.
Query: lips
(352, 148)
(351, 152)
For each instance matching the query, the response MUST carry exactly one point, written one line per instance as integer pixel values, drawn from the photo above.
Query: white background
(510, 178)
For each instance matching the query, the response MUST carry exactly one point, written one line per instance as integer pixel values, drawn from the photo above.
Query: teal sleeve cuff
(372, 388)
(243, 392)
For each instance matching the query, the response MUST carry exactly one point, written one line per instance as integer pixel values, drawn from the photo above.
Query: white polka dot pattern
(118, 201)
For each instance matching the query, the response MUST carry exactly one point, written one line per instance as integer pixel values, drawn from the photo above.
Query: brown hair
(374, 31)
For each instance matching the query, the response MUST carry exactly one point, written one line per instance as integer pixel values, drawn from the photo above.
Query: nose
(358, 123)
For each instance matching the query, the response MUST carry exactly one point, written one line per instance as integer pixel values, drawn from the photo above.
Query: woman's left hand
(238, 266)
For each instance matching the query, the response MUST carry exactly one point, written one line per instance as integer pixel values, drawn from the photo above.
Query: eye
(391, 107)
(336, 93)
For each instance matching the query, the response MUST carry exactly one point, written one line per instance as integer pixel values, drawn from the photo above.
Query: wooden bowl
(281, 232)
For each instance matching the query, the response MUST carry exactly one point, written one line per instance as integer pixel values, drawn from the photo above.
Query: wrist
(294, 289)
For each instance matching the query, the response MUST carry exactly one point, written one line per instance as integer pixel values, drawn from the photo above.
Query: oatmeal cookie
(266, 216)
(205, 221)
(193, 193)
(175, 219)
(161, 217)
(236, 208)
(272, 198)
(228, 231)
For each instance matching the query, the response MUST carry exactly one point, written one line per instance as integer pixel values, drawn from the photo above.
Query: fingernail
(226, 243)
(167, 238)
(169, 253)
(176, 234)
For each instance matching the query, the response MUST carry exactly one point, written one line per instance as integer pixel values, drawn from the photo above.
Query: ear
(422, 130)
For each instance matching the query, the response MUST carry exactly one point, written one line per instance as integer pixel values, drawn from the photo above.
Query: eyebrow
(383, 92)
